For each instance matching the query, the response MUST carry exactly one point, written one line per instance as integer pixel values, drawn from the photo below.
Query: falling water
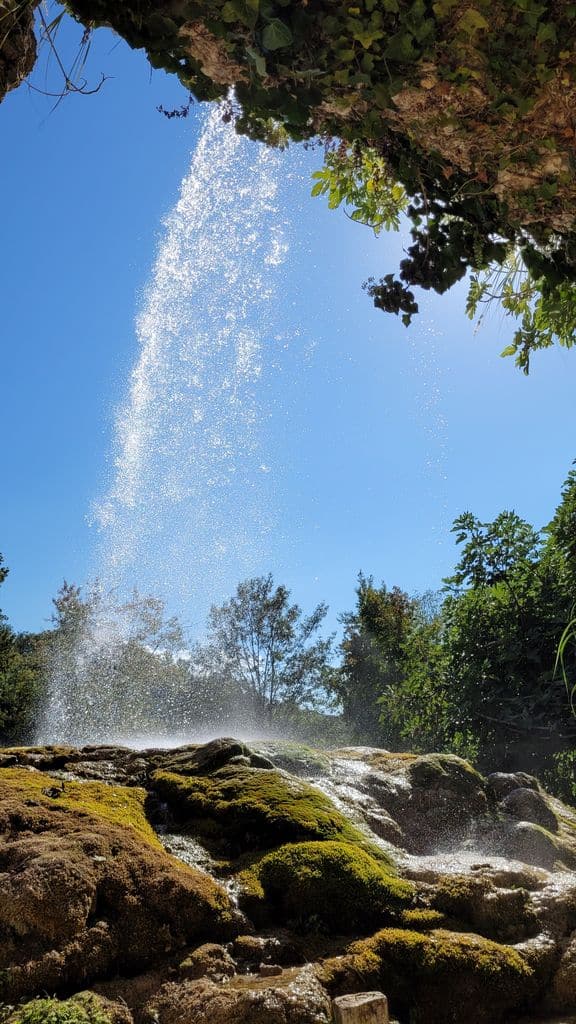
(189, 507)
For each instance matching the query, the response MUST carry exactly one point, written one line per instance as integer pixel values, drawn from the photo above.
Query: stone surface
(89, 897)
(361, 1008)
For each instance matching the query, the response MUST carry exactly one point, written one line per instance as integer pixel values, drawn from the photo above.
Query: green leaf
(510, 350)
(471, 21)
(246, 11)
(276, 35)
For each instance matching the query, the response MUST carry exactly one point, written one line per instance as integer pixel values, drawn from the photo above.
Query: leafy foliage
(20, 686)
(267, 647)
(464, 109)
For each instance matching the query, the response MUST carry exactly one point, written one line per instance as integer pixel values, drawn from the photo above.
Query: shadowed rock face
(17, 43)
(282, 869)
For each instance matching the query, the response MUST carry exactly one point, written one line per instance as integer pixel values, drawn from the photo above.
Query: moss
(120, 805)
(250, 809)
(336, 884)
(502, 914)
(296, 758)
(84, 1008)
(433, 771)
(440, 978)
(422, 918)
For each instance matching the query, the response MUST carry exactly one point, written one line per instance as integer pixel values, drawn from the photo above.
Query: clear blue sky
(385, 435)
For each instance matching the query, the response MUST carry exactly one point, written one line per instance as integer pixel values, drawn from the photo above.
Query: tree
(373, 653)
(267, 647)
(19, 681)
(116, 668)
(449, 110)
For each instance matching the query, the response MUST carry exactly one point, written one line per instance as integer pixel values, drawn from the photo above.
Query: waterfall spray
(189, 505)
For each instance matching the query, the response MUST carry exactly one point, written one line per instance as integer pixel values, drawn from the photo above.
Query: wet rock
(530, 843)
(562, 992)
(208, 961)
(253, 950)
(202, 760)
(295, 997)
(500, 784)
(529, 805)
(269, 970)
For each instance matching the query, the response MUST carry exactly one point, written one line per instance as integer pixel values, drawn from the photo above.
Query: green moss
(437, 770)
(247, 809)
(338, 885)
(120, 805)
(84, 1008)
(422, 919)
(441, 977)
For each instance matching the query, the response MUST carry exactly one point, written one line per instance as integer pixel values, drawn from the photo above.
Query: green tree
(373, 655)
(267, 648)
(19, 681)
(504, 613)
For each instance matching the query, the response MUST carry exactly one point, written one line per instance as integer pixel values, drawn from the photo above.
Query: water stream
(189, 506)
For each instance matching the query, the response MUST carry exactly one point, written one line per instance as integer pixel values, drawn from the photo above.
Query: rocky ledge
(226, 884)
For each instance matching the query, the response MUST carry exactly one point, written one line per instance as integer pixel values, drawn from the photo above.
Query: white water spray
(189, 508)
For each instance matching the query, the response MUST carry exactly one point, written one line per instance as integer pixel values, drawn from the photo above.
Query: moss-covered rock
(475, 903)
(438, 978)
(83, 1008)
(244, 809)
(333, 885)
(119, 805)
(86, 889)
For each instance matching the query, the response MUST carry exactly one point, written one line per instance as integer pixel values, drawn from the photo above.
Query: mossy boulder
(244, 809)
(334, 885)
(436, 978)
(476, 904)
(86, 888)
(83, 1008)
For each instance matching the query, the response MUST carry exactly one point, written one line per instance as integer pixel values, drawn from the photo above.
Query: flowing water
(189, 505)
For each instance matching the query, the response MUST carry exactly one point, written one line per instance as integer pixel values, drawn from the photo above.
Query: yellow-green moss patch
(120, 805)
(336, 884)
(85, 1008)
(442, 976)
(252, 809)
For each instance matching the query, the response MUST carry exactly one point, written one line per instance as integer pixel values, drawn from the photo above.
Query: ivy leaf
(276, 35)
(471, 22)
(245, 11)
(367, 36)
(258, 59)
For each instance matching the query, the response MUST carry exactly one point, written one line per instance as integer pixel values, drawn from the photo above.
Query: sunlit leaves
(359, 179)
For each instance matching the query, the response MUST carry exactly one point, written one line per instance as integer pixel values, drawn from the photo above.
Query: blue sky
(382, 436)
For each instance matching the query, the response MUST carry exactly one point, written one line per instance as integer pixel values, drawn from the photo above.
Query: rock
(500, 784)
(205, 759)
(82, 895)
(442, 976)
(295, 997)
(532, 844)
(17, 44)
(253, 950)
(208, 961)
(269, 970)
(361, 1008)
(239, 809)
(332, 884)
(529, 805)
(83, 1008)
(562, 992)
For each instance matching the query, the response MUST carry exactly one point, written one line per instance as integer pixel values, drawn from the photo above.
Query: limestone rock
(295, 997)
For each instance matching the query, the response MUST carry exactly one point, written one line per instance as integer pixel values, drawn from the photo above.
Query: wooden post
(361, 1008)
